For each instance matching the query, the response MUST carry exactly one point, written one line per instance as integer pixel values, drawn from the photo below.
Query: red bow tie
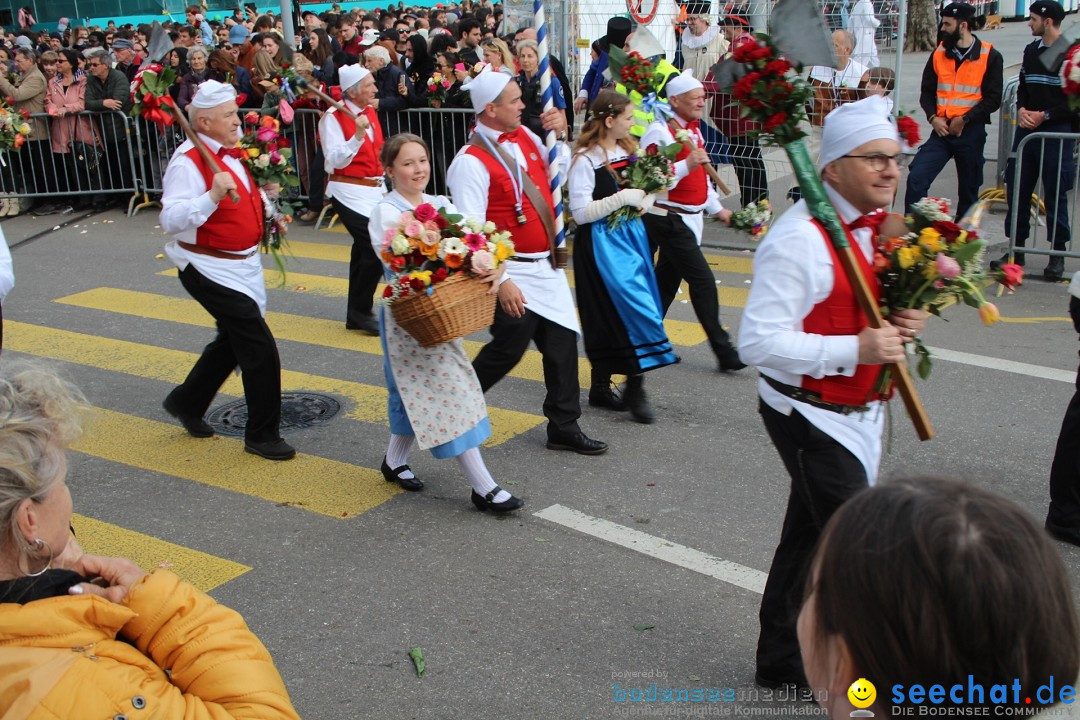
(870, 220)
(693, 125)
(513, 136)
(234, 152)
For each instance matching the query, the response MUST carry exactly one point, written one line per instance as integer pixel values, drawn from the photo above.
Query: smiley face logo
(862, 693)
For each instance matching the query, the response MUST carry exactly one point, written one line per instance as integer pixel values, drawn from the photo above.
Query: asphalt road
(643, 565)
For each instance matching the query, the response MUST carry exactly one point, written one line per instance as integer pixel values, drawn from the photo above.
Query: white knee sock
(397, 452)
(472, 464)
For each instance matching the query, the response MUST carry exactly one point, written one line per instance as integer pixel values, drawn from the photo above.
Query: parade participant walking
(414, 372)
(1063, 515)
(216, 248)
(501, 176)
(1041, 106)
(820, 362)
(619, 304)
(863, 25)
(961, 90)
(356, 184)
(675, 222)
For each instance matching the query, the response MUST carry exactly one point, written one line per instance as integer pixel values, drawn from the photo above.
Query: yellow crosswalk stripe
(202, 570)
(329, 487)
(679, 332)
(156, 363)
(295, 328)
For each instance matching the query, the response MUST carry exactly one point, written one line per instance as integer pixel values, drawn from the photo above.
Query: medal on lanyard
(520, 213)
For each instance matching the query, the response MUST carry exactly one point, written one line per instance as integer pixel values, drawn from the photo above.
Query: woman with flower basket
(619, 304)
(434, 396)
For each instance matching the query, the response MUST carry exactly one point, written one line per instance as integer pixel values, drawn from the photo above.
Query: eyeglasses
(878, 162)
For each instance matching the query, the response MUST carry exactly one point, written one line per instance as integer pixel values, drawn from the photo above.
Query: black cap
(958, 10)
(618, 29)
(1048, 9)
(390, 34)
(734, 21)
(698, 7)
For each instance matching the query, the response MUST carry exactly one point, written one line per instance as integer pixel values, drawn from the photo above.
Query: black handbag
(86, 155)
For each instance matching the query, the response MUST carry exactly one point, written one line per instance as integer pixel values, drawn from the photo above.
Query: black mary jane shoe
(412, 484)
(485, 502)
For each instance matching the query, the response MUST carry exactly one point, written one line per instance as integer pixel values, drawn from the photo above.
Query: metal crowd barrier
(82, 154)
(1006, 132)
(1059, 156)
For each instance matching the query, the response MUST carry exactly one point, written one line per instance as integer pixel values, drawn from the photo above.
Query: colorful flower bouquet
(150, 96)
(771, 91)
(652, 171)
(935, 264)
(438, 85)
(754, 218)
(267, 154)
(908, 129)
(14, 127)
(435, 257)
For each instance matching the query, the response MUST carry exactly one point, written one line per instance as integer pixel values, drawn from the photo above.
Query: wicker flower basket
(456, 307)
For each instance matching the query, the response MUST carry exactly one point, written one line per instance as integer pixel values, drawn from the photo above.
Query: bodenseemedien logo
(862, 694)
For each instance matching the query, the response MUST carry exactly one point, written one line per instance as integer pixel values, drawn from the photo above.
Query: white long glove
(605, 206)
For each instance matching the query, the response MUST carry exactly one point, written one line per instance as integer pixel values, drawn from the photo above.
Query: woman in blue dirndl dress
(434, 398)
(618, 300)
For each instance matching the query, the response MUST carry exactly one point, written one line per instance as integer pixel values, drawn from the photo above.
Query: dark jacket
(391, 102)
(115, 87)
(534, 104)
(1040, 87)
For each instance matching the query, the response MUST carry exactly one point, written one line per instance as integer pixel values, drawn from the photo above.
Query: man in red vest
(492, 178)
(356, 186)
(216, 248)
(675, 223)
(820, 362)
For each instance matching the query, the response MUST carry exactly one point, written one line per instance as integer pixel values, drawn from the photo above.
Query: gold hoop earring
(38, 545)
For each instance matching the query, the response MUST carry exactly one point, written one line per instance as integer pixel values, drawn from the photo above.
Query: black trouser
(681, 259)
(510, 339)
(243, 339)
(824, 474)
(1050, 160)
(966, 149)
(365, 268)
(316, 180)
(1065, 471)
(749, 168)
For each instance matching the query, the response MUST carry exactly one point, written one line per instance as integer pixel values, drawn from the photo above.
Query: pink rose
(432, 225)
(266, 134)
(425, 212)
(947, 267)
(483, 261)
(388, 237)
(406, 217)
(430, 237)
(275, 158)
(414, 228)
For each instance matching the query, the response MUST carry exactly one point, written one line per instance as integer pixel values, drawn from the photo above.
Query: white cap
(349, 75)
(684, 83)
(213, 93)
(485, 87)
(370, 37)
(854, 124)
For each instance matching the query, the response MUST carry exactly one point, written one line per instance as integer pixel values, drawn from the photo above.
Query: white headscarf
(486, 87)
(213, 93)
(853, 125)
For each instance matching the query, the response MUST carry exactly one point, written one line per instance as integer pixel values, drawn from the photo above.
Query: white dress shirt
(659, 133)
(793, 272)
(186, 204)
(339, 152)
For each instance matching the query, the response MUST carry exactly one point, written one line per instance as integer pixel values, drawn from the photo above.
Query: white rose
(483, 261)
(400, 245)
(1074, 73)
(489, 227)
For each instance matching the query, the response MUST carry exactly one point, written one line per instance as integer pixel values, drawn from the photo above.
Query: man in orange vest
(356, 186)
(961, 90)
(495, 178)
(820, 361)
(216, 248)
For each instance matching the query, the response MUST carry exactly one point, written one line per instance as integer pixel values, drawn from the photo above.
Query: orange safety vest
(959, 88)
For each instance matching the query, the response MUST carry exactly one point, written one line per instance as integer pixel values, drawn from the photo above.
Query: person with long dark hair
(618, 301)
(320, 52)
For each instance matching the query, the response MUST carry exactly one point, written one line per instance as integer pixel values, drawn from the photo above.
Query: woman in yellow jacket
(83, 636)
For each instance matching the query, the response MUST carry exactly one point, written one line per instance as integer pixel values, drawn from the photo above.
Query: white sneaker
(4, 206)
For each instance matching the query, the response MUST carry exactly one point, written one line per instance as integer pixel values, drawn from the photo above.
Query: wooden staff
(208, 157)
(361, 122)
(716, 178)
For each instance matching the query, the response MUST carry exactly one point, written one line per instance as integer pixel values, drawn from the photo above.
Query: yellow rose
(908, 256)
(930, 271)
(253, 152)
(930, 239)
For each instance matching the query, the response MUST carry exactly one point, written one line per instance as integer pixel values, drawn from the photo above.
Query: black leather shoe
(1054, 269)
(728, 361)
(196, 426)
(484, 502)
(367, 324)
(1064, 534)
(1018, 259)
(271, 449)
(637, 402)
(579, 442)
(604, 395)
(775, 683)
(412, 484)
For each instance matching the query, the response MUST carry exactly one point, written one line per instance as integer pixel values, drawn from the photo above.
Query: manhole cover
(299, 411)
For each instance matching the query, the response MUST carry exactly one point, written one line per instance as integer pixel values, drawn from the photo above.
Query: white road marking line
(985, 361)
(685, 557)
